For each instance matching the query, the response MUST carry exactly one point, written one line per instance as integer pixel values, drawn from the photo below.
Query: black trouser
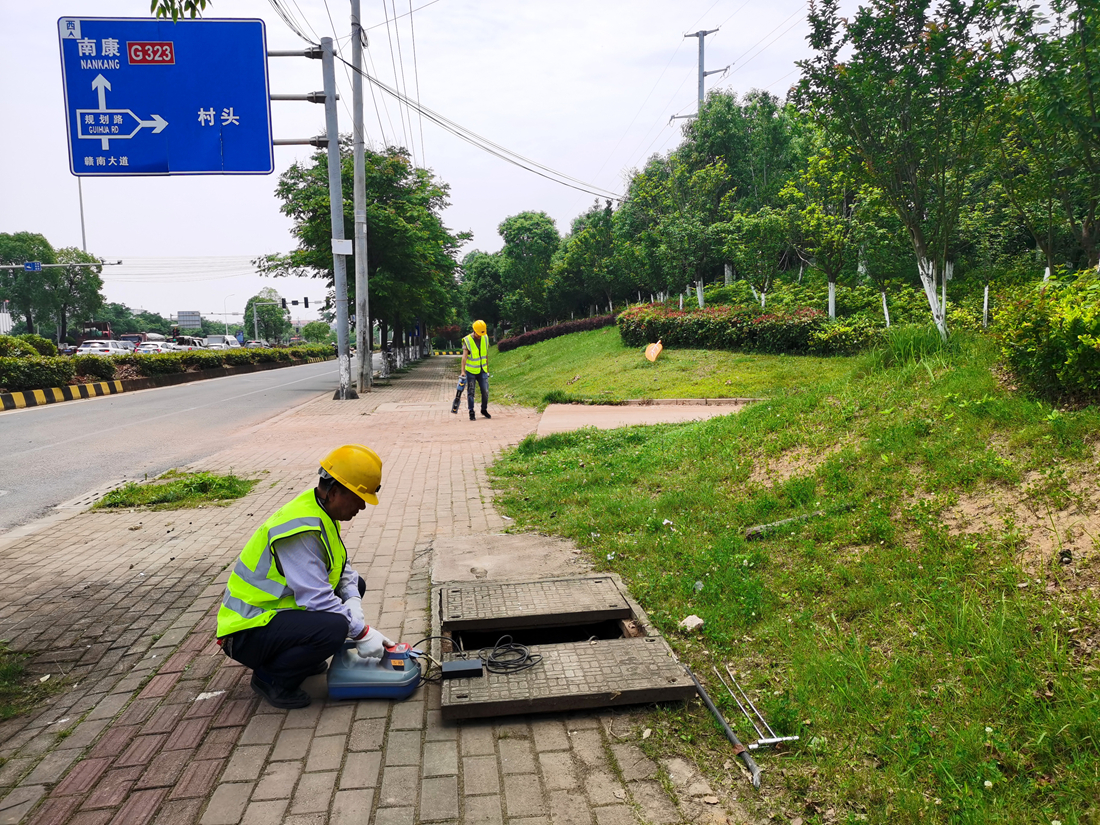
(288, 648)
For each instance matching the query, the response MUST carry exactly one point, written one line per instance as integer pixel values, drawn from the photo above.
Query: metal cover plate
(574, 676)
(555, 602)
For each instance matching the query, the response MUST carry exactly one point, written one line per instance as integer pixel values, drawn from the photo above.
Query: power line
(489, 146)
(404, 83)
(418, 8)
(416, 77)
(393, 63)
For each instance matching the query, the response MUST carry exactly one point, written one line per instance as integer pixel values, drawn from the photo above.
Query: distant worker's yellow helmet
(356, 467)
(479, 327)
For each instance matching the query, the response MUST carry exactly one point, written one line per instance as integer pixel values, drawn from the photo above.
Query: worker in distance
(475, 365)
(292, 599)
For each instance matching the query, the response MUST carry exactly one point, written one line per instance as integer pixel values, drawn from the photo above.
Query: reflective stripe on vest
(257, 588)
(478, 357)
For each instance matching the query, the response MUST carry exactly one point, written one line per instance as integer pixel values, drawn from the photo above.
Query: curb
(74, 392)
(707, 402)
(36, 398)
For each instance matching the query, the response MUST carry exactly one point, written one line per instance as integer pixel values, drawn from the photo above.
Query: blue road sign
(32, 266)
(153, 97)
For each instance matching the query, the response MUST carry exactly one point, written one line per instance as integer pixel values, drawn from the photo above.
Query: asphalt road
(53, 454)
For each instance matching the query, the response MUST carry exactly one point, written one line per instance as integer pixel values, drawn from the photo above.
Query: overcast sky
(585, 88)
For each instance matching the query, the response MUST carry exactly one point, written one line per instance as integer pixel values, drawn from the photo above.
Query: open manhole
(596, 646)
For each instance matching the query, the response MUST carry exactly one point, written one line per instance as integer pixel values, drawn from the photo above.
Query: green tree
(271, 320)
(316, 332)
(757, 243)
(76, 292)
(906, 91)
(530, 240)
(481, 275)
(411, 260)
(28, 292)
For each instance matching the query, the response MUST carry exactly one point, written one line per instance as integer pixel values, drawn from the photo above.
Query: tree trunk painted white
(926, 270)
(832, 299)
(755, 294)
(1046, 274)
(985, 308)
(885, 309)
(699, 292)
(763, 297)
(729, 275)
(681, 302)
(801, 266)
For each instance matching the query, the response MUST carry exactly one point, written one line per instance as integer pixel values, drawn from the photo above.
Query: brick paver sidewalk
(155, 725)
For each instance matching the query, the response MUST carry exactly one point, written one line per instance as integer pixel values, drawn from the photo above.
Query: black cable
(507, 656)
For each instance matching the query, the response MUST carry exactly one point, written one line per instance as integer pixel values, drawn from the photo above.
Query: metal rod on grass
(738, 748)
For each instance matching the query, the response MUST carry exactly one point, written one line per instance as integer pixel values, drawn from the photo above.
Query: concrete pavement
(155, 725)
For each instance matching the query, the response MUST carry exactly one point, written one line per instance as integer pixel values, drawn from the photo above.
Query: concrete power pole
(364, 334)
(336, 207)
(702, 72)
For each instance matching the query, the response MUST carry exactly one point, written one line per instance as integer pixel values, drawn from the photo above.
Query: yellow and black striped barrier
(36, 398)
(447, 352)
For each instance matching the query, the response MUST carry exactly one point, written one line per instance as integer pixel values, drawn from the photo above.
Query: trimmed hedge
(35, 372)
(95, 366)
(546, 333)
(43, 346)
(14, 347)
(1051, 337)
(799, 331)
(22, 369)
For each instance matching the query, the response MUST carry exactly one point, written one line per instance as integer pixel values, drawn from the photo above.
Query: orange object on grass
(653, 350)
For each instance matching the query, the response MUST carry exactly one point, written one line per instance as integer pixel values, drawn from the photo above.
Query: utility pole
(364, 335)
(336, 207)
(702, 72)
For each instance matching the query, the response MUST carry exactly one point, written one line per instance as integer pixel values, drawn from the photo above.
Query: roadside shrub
(237, 357)
(94, 366)
(264, 355)
(845, 337)
(1051, 337)
(202, 359)
(555, 331)
(35, 372)
(283, 355)
(159, 363)
(42, 346)
(12, 347)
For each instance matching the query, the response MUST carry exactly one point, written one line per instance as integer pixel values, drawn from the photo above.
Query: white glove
(372, 644)
(355, 605)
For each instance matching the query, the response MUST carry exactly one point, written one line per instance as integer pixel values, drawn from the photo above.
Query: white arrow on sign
(102, 85)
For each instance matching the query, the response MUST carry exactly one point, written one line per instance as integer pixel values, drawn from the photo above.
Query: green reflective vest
(257, 588)
(477, 360)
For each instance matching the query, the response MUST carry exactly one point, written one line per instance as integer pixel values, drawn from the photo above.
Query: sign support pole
(336, 207)
(364, 334)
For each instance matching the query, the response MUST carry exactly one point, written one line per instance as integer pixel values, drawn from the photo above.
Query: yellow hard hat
(479, 327)
(356, 467)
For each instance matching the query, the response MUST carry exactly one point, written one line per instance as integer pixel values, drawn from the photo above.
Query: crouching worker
(292, 599)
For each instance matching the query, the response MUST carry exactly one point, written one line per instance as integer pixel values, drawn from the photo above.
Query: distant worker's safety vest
(477, 360)
(257, 588)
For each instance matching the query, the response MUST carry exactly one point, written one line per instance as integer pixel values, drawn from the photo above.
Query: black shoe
(472, 416)
(279, 696)
(485, 413)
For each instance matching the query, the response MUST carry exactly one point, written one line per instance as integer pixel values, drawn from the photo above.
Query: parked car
(126, 345)
(256, 344)
(101, 348)
(154, 347)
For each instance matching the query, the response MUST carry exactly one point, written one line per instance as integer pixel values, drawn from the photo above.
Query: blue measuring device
(153, 97)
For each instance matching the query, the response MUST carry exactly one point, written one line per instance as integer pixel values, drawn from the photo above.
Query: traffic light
(284, 303)
(305, 302)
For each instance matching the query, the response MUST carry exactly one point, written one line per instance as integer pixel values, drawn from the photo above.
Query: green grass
(20, 692)
(904, 654)
(596, 367)
(178, 491)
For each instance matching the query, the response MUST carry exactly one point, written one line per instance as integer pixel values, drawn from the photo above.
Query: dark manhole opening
(471, 640)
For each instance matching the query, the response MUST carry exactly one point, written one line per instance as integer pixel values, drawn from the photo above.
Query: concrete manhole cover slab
(574, 676)
(488, 605)
(595, 641)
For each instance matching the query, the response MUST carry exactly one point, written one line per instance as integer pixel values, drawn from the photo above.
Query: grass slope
(595, 366)
(936, 670)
